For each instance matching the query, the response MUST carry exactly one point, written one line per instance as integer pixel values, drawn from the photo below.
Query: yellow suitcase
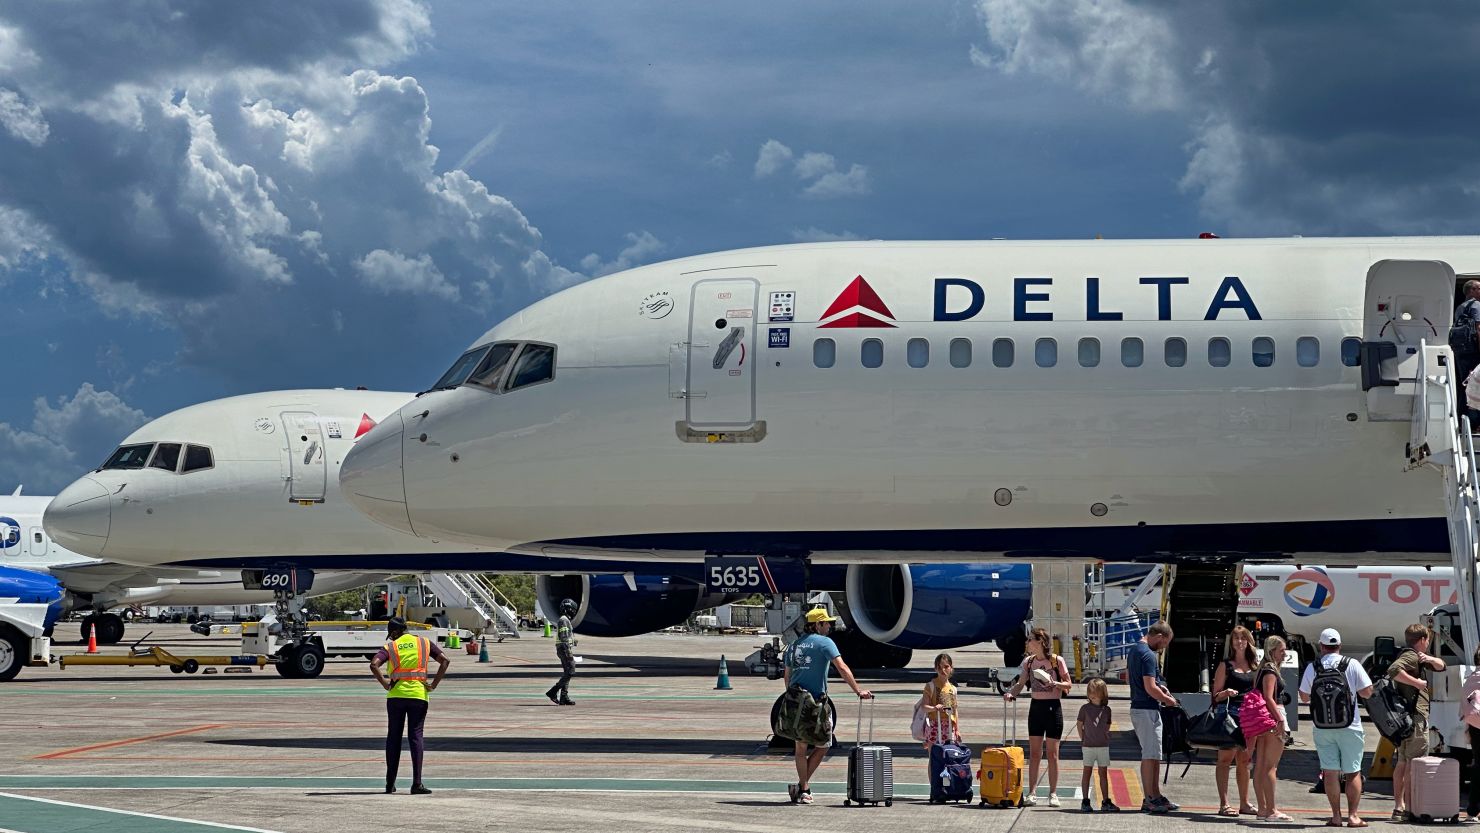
(1003, 767)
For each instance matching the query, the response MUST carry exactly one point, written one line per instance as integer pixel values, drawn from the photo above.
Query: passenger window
(917, 352)
(960, 352)
(824, 352)
(1220, 352)
(1089, 352)
(872, 352)
(1175, 352)
(166, 456)
(1351, 351)
(129, 456)
(536, 363)
(1046, 352)
(1307, 351)
(1263, 352)
(1132, 352)
(40, 539)
(490, 372)
(1002, 351)
(197, 457)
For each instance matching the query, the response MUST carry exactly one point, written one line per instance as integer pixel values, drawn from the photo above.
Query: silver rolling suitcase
(870, 767)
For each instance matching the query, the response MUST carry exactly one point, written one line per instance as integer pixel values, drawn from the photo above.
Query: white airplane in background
(945, 402)
(96, 585)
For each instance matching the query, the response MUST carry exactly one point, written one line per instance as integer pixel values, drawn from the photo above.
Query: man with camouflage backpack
(1331, 685)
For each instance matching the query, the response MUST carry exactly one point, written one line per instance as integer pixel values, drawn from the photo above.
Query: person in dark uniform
(559, 693)
(406, 689)
(1467, 349)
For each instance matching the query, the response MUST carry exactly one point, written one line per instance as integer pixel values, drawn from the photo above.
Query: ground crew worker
(406, 697)
(565, 646)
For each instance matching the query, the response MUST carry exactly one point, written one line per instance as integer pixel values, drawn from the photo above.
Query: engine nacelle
(30, 587)
(938, 606)
(608, 607)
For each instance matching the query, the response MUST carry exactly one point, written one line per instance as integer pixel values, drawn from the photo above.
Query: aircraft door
(1408, 302)
(38, 541)
(306, 461)
(721, 354)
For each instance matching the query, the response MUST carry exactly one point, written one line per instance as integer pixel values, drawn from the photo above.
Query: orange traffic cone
(92, 640)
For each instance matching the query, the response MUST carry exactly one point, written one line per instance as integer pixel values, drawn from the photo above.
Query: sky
(200, 199)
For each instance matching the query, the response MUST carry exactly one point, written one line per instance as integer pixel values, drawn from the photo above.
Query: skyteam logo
(858, 306)
(10, 533)
(1309, 591)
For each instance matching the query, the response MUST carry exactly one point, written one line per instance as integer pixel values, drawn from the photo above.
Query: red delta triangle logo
(862, 305)
(366, 423)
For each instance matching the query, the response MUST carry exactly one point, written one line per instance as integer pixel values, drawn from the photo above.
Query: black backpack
(1388, 709)
(1176, 725)
(1462, 338)
(1331, 703)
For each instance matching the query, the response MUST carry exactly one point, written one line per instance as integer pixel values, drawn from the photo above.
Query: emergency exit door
(721, 354)
(307, 466)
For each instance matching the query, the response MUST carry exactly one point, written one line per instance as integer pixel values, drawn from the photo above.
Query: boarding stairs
(475, 592)
(1440, 438)
(1205, 607)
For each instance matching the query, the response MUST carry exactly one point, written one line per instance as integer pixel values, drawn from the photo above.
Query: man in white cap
(1331, 685)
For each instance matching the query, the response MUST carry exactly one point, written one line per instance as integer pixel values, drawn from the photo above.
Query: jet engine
(607, 606)
(941, 606)
(30, 587)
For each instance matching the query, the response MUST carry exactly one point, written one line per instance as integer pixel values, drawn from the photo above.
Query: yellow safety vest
(408, 667)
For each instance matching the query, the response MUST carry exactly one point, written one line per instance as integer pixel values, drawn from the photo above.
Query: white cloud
(818, 169)
(642, 247)
(394, 272)
(1108, 47)
(22, 119)
(813, 234)
(64, 440)
(773, 157)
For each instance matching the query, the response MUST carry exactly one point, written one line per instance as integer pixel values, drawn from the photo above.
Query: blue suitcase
(950, 769)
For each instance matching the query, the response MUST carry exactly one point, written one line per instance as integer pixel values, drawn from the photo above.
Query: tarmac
(650, 745)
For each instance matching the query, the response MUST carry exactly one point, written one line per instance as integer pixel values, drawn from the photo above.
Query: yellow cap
(819, 614)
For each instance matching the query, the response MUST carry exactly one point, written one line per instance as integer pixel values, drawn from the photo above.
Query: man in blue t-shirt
(805, 663)
(1148, 694)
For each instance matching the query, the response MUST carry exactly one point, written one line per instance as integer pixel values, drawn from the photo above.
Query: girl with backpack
(938, 702)
(1262, 720)
(1231, 681)
(1047, 677)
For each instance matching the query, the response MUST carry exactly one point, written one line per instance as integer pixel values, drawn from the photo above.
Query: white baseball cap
(1329, 636)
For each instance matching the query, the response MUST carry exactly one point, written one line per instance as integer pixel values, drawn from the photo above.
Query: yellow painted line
(64, 753)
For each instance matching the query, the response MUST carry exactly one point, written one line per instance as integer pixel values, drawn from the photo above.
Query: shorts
(1340, 749)
(1415, 745)
(932, 730)
(1046, 719)
(1147, 723)
(1095, 756)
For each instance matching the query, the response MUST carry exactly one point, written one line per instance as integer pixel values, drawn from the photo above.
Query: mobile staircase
(475, 592)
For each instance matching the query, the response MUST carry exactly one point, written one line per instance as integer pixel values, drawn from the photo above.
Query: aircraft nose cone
(80, 516)
(372, 477)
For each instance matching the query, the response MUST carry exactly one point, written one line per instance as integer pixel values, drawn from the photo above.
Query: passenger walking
(1263, 726)
(1464, 340)
(406, 691)
(1231, 681)
(1094, 745)
(1410, 672)
(805, 663)
(940, 705)
(565, 648)
(1047, 677)
(1148, 694)
(1469, 710)
(1332, 685)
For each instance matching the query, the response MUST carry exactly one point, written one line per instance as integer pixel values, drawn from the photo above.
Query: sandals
(1227, 810)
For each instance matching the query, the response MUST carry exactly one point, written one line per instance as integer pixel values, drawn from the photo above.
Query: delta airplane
(264, 492)
(1201, 399)
(35, 566)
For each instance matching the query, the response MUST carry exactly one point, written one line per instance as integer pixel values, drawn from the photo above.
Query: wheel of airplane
(110, 629)
(13, 649)
(287, 664)
(191, 666)
(309, 660)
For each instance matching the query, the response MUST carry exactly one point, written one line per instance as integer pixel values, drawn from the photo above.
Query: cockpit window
(130, 456)
(461, 369)
(197, 457)
(536, 364)
(490, 372)
(166, 456)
